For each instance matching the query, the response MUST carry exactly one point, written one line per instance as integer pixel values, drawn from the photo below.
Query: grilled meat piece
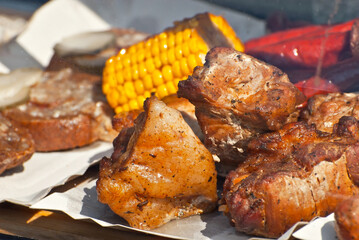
(325, 110)
(159, 170)
(66, 110)
(292, 175)
(16, 144)
(347, 219)
(238, 97)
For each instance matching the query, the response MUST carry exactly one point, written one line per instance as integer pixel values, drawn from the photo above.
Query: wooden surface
(22, 221)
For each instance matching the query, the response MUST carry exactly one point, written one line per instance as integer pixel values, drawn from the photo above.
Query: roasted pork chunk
(292, 175)
(325, 110)
(238, 97)
(347, 219)
(159, 170)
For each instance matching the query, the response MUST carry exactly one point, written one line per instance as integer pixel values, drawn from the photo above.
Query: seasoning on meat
(325, 110)
(238, 97)
(347, 219)
(16, 144)
(159, 170)
(291, 175)
(66, 110)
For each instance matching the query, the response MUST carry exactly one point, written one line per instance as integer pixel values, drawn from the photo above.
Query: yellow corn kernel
(167, 73)
(155, 49)
(185, 49)
(193, 45)
(126, 107)
(112, 80)
(186, 34)
(112, 100)
(162, 91)
(192, 62)
(134, 72)
(119, 78)
(130, 90)
(122, 99)
(178, 51)
(106, 88)
(164, 58)
(157, 62)
(127, 74)
(178, 38)
(142, 70)
(126, 61)
(176, 69)
(140, 55)
(170, 40)
(150, 65)
(147, 82)
(184, 67)
(171, 55)
(171, 88)
(163, 45)
(133, 104)
(118, 109)
(157, 78)
(139, 87)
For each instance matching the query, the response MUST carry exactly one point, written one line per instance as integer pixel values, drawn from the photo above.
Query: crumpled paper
(321, 228)
(81, 203)
(28, 183)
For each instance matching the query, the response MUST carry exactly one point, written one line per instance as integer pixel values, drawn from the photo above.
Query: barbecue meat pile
(325, 110)
(293, 174)
(159, 170)
(347, 219)
(238, 97)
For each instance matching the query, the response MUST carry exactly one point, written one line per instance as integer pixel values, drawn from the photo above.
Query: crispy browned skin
(187, 109)
(65, 111)
(292, 175)
(347, 219)
(325, 110)
(16, 144)
(159, 170)
(236, 98)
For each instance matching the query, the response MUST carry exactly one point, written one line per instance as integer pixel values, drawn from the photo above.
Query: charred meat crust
(240, 94)
(292, 175)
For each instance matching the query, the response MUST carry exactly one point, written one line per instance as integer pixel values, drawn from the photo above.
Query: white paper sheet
(81, 203)
(319, 229)
(33, 180)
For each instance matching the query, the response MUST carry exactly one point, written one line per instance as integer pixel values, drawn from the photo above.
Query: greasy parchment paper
(81, 203)
(321, 228)
(33, 180)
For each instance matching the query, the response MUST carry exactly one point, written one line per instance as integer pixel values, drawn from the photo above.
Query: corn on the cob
(161, 61)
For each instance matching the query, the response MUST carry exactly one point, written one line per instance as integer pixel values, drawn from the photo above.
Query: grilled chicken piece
(292, 175)
(187, 109)
(347, 219)
(325, 110)
(238, 97)
(159, 170)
